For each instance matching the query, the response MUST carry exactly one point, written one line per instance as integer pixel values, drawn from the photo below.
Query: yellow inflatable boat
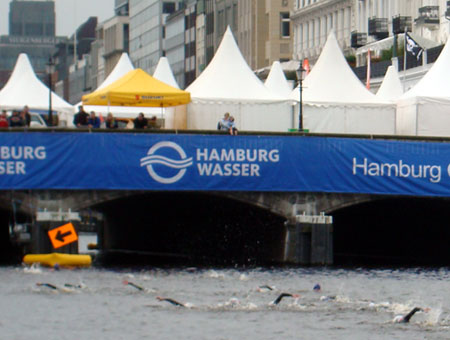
(62, 260)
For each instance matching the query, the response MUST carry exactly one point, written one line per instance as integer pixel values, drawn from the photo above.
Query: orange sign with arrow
(62, 235)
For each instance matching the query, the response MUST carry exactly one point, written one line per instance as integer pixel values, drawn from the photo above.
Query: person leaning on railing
(111, 122)
(3, 120)
(16, 120)
(140, 122)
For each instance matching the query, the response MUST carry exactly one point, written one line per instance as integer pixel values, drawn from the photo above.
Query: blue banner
(117, 161)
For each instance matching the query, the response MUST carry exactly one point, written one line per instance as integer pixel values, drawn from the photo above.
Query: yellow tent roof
(138, 88)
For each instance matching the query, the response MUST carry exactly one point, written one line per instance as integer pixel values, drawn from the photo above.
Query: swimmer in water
(125, 282)
(173, 302)
(69, 285)
(407, 317)
(317, 288)
(282, 295)
(265, 288)
(49, 285)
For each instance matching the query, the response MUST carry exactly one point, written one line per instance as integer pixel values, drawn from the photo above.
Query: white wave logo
(181, 164)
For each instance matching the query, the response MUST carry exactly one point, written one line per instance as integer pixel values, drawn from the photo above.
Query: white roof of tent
(229, 78)
(276, 81)
(122, 67)
(332, 81)
(164, 73)
(391, 88)
(435, 83)
(25, 88)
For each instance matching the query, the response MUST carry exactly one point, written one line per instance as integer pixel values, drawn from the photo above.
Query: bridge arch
(191, 227)
(393, 231)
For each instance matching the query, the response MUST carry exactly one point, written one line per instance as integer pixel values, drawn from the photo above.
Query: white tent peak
(229, 78)
(435, 82)
(276, 81)
(25, 88)
(122, 67)
(331, 80)
(23, 66)
(163, 72)
(391, 88)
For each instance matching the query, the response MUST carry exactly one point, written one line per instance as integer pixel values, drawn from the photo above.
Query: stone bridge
(287, 204)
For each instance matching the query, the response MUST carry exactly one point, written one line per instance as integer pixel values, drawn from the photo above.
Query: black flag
(412, 47)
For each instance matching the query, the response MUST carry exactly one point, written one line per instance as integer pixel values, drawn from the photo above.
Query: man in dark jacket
(81, 118)
(140, 122)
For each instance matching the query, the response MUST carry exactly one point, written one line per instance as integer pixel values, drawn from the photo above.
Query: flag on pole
(412, 47)
(306, 65)
(368, 70)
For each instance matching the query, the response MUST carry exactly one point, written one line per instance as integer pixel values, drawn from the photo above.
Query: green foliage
(351, 59)
(387, 54)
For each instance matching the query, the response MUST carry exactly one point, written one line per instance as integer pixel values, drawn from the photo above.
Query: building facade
(147, 18)
(264, 31)
(116, 40)
(359, 22)
(174, 44)
(31, 31)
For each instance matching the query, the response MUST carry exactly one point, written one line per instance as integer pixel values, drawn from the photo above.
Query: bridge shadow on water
(190, 229)
(195, 229)
(393, 232)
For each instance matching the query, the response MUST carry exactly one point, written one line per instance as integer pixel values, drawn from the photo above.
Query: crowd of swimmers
(234, 302)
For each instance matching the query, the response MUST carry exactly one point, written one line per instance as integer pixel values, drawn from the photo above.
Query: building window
(168, 7)
(285, 25)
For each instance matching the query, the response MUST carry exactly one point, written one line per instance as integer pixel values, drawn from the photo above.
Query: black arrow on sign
(60, 236)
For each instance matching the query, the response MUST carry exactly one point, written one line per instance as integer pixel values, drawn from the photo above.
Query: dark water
(223, 304)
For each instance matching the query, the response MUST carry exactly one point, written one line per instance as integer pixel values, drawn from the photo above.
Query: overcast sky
(69, 14)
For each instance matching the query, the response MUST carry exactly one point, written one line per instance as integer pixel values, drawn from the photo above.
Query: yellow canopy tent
(138, 88)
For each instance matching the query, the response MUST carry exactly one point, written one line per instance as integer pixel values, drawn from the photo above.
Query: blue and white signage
(114, 161)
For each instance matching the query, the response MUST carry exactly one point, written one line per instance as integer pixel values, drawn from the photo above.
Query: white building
(313, 19)
(147, 17)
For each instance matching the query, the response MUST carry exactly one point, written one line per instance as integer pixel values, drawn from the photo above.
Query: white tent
(391, 88)
(424, 110)
(163, 72)
(25, 88)
(276, 81)
(175, 116)
(122, 67)
(335, 100)
(229, 85)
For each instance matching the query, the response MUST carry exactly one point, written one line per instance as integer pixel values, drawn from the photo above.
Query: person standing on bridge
(81, 118)
(25, 114)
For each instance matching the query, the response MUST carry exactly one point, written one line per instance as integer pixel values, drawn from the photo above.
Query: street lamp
(300, 88)
(50, 70)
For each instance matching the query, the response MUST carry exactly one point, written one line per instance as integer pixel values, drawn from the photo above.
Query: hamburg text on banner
(128, 161)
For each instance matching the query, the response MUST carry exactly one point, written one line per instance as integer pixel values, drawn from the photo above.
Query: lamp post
(50, 69)
(300, 90)
(447, 12)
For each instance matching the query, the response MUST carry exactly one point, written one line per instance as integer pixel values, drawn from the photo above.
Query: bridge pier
(309, 240)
